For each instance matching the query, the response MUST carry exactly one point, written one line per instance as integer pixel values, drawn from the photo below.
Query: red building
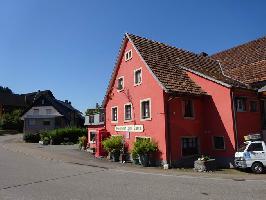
(190, 104)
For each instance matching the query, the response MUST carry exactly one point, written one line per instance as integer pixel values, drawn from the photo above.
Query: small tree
(11, 121)
(113, 145)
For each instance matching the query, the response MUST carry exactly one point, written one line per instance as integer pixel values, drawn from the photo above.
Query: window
(32, 122)
(145, 107)
(128, 112)
(101, 117)
(189, 146)
(255, 147)
(188, 108)
(42, 101)
(137, 77)
(91, 119)
(48, 111)
(92, 136)
(128, 55)
(253, 106)
(46, 123)
(35, 111)
(240, 104)
(218, 142)
(114, 114)
(120, 83)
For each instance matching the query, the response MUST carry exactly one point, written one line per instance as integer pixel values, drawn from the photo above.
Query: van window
(242, 148)
(255, 147)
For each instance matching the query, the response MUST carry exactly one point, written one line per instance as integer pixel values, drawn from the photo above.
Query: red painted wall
(248, 122)
(183, 127)
(149, 88)
(217, 117)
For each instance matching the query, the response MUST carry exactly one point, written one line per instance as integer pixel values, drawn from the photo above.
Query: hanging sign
(129, 128)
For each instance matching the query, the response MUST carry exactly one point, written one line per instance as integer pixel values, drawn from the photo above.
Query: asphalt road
(27, 176)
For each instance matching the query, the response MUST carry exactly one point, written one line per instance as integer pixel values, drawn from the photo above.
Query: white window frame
(92, 131)
(112, 114)
(128, 120)
(127, 53)
(142, 100)
(123, 85)
(139, 69)
(184, 109)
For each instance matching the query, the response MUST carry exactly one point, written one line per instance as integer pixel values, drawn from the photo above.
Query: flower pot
(116, 156)
(144, 160)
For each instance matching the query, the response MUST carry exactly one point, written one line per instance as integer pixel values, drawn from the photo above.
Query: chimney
(204, 54)
(69, 102)
(66, 101)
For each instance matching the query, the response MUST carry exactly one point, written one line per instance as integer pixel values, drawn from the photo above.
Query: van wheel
(257, 168)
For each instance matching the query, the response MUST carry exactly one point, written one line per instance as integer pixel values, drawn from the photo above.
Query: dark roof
(12, 100)
(246, 62)
(61, 106)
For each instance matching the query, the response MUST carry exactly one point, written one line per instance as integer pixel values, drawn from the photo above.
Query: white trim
(213, 143)
(121, 77)
(128, 120)
(142, 100)
(149, 69)
(127, 53)
(135, 70)
(116, 114)
(92, 131)
(206, 77)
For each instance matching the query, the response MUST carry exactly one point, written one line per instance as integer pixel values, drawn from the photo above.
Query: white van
(252, 154)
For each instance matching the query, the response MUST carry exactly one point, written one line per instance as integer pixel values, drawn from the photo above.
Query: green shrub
(113, 144)
(64, 135)
(83, 142)
(11, 121)
(144, 146)
(31, 137)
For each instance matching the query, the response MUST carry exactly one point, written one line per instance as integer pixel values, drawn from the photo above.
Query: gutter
(168, 134)
(206, 77)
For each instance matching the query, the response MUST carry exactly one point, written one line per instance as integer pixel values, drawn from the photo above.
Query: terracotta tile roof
(169, 65)
(166, 63)
(246, 62)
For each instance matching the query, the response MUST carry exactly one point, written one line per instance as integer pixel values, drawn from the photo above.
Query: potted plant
(135, 157)
(204, 163)
(113, 145)
(144, 148)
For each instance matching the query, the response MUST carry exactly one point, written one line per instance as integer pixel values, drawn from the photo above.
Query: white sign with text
(129, 128)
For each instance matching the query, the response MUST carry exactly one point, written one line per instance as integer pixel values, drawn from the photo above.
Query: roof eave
(206, 77)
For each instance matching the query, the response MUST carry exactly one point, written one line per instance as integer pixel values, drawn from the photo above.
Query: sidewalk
(71, 154)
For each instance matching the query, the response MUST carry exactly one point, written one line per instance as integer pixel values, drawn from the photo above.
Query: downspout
(168, 133)
(234, 118)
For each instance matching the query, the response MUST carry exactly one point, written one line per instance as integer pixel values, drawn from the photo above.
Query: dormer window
(128, 55)
(137, 76)
(120, 83)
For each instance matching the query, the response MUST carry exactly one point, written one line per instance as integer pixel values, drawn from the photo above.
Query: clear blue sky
(70, 47)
